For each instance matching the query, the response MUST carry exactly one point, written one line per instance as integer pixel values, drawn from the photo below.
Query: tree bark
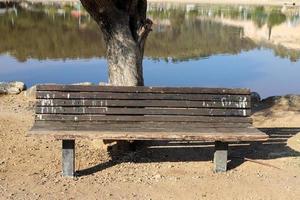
(125, 29)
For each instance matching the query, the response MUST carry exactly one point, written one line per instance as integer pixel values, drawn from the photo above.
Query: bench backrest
(142, 104)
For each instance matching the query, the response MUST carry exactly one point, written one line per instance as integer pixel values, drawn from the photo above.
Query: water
(191, 45)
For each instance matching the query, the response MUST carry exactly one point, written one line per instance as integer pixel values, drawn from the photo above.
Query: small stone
(255, 99)
(44, 180)
(134, 195)
(31, 92)
(293, 100)
(157, 176)
(259, 175)
(12, 87)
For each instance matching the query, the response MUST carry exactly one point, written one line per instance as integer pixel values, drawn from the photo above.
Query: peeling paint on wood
(146, 113)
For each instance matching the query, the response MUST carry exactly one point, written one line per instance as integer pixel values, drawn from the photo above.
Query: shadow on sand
(163, 151)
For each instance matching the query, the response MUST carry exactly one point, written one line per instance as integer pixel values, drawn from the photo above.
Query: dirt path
(30, 167)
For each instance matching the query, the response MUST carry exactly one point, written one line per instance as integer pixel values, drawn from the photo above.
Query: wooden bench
(69, 112)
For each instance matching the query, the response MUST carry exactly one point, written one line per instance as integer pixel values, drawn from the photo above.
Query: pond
(257, 47)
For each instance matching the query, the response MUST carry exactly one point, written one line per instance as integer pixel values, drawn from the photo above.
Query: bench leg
(68, 158)
(220, 156)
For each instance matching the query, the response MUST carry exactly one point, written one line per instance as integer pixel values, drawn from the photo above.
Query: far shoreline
(234, 2)
(220, 2)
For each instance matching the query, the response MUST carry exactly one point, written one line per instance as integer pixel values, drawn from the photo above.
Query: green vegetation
(286, 53)
(260, 17)
(275, 18)
(41, 36)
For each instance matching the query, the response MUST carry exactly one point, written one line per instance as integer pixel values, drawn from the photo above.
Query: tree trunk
(124, 59)
(125, 28)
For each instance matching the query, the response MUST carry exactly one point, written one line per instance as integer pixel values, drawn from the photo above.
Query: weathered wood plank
(140, 103)
(143, 111)
(226, 99)
(139, 89)
(202, 134)
(134, 126)
(155, 118)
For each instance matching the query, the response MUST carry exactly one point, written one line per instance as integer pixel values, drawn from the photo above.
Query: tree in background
(125, 29)
(275, 18)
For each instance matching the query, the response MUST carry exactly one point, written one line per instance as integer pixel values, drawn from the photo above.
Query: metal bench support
(68, 158)
(220, 156)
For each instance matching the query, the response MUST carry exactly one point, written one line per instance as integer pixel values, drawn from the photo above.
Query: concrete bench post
(68, 158)
(220, 156)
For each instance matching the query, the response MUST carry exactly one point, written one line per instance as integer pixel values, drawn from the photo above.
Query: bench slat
(143, 111)
(172, 90)
(135, 126)
(140, 103)
(156, 118)
(141, 96)
(200, 134)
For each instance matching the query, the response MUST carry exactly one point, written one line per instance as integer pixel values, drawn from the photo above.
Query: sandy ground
(30, 167)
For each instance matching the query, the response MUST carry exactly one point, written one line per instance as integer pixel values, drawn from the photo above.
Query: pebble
(134, 195)
(157, 176)
(44, 180)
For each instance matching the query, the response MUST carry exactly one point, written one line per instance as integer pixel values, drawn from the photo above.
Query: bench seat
(70, 112)
(148, 131)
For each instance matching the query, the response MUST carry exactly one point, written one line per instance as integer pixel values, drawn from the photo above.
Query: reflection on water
(52, 33)
(275, 28)
(181, 31)
(61, 43)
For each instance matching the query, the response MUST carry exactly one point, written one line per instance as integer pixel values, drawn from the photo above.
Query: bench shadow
(170, 151)
(96, 168)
